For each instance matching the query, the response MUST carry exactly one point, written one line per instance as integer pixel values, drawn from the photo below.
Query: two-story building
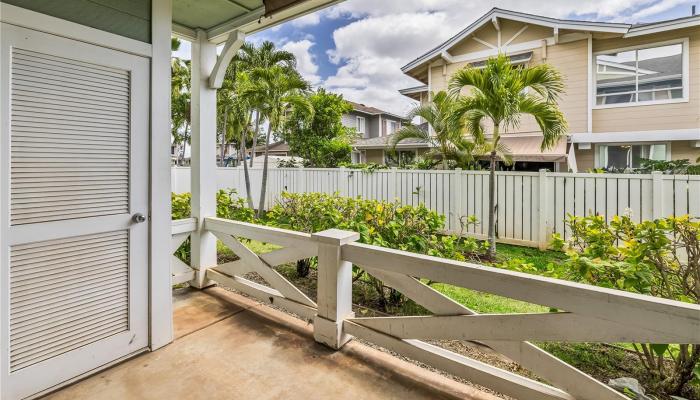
(632, 91)
(375, 128)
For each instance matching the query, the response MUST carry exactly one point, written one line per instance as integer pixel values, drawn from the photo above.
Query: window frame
(364, 124)
(685, 42)
(596, 149)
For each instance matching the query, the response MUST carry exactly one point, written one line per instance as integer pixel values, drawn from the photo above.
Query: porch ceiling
(220, 17)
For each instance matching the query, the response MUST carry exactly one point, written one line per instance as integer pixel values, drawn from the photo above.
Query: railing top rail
(267, 234)
(184, 225)
(603, 303)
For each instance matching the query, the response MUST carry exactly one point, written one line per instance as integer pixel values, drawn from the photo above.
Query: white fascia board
(184, 32)
(256, 21)
(664, 26)
(521, 17)
(637, 136)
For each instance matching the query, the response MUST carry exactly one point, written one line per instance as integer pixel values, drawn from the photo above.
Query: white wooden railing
(181, 230)
(591, 314)
(531, 206)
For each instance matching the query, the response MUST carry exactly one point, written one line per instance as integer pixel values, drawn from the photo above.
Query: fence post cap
(337, 237)
(657, 173)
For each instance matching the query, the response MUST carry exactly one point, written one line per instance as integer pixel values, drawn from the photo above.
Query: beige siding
(585, 159)
(375, 156)
(654, 117)
(571, 60)
(682, 150)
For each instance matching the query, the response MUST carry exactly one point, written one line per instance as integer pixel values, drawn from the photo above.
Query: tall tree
(266, 55)
(283, 91)
(501, 93)
(322, 140)
(180, 101)
(447, 140)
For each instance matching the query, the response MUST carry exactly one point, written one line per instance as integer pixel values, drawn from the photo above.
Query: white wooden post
(334, 287)
(657, 187)
(545, 209)
(456, 200)
(203, 156)
(391, 182)
(161, 321)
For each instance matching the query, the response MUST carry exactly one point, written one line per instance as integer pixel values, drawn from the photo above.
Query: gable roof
(627, 30)
(361, 108)
(382, 142)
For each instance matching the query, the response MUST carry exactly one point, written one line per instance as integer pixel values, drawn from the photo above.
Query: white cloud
(306, 62)
(307, 20)
(389, 33)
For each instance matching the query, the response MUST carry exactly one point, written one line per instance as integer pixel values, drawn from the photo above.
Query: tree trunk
(223, 138)
(248, 194)
(492, 196)
(184, 146)
(255, 137)
(263, 189)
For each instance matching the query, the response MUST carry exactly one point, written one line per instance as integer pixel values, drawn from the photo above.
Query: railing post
(544, 207)
(334, 287)
(657, 195)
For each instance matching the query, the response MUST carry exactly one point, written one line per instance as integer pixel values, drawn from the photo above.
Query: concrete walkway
(229, 347)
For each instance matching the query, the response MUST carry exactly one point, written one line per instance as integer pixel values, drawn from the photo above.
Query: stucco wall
(129, 18)
(375, 156)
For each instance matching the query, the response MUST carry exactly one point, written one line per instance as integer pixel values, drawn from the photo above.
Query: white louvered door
(73, 173)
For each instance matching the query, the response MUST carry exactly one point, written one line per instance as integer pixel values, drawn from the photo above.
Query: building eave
(496, 13)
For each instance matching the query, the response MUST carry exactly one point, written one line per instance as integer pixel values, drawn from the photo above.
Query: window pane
(615, 78)
(661, 72)
(615, 156)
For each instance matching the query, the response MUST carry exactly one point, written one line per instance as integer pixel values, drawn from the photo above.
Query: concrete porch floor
(230, 347)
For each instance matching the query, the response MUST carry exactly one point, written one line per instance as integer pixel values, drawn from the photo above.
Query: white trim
(664, 26)
(685, 42)
(637, 136)
(596, 150)
(516, 48)
(364, 124)
(515, 36)
(483, 42)
(591, 85)
(233, 44)
(520, 17)
(160, 320)
(45, 23)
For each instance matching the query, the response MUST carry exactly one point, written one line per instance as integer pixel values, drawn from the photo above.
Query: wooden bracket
(233, 44)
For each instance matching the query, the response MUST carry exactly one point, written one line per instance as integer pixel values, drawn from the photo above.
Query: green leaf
(659, 349)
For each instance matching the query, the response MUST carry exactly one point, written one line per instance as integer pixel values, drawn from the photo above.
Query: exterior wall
(571, 60)
(374, 156)
(680, 150)
(128, 18)
(654, 117)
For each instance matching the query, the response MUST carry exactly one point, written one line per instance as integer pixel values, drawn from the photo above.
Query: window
(391, 127)
(361, 124)
(652, 74)
(623, 156)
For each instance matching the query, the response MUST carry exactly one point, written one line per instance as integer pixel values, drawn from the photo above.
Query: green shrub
(387, 224)
(660, 258)
(228, 205)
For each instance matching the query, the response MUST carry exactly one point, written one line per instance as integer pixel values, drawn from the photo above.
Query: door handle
(138, 218)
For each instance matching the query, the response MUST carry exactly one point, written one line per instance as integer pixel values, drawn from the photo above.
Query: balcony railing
(592, 314)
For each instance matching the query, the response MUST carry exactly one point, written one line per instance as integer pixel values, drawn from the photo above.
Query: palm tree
(266, 55)
(180, 101)
(447, 141)
(281, 91)
(501, 93)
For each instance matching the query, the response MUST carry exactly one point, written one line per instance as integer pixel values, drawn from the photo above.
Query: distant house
(277, 149)
(374, 127)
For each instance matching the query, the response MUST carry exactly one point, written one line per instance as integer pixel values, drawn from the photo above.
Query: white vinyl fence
(530, 205)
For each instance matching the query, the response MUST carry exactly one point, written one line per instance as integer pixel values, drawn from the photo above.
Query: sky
(357, 48)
